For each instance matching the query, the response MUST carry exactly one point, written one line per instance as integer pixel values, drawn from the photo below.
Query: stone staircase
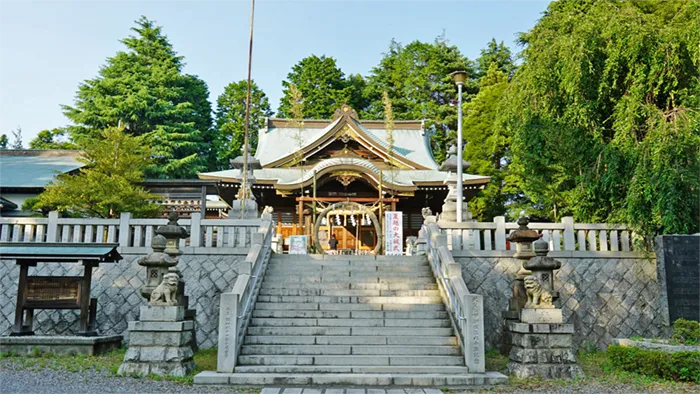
(352, 320)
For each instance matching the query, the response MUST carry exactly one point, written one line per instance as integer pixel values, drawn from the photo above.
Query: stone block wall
(603, 297)
(116, 287)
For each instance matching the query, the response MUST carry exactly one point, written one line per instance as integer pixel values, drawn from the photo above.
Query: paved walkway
(277, 390)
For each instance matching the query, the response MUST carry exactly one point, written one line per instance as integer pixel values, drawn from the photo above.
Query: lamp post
(459, 77)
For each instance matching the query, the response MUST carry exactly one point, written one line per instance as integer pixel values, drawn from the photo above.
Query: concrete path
(279, 390)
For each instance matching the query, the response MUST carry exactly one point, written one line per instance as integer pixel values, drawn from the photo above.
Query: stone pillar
(449, 208)
(541, 345)
(163, 341)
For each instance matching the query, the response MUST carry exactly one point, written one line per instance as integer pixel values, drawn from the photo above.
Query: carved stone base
(541, 316)
(542, 350)
(160, 343)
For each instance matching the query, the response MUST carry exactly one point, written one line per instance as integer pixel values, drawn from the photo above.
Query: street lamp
(459, 77)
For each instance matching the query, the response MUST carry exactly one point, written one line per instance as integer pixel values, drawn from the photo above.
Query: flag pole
(244, 183)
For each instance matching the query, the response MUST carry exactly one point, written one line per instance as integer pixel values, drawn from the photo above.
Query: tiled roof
(33, 168)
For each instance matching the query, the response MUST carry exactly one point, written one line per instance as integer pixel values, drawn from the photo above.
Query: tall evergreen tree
(603, 114)
(416, 78)
(495, 53)
(230, 119)
(144, 89)
(4, 141)
(51, 139)
(323, 86)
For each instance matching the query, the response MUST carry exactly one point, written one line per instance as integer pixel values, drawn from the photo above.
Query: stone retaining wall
(116, 287)
(603, 297)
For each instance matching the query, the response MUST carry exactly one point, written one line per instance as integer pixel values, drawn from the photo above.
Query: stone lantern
(523, 238)
(157, 264)
(449, 208)
(542, 267)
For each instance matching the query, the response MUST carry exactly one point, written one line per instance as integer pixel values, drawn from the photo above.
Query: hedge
(679, 366)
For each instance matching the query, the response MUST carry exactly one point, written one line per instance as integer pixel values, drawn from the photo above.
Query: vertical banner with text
(393, 233)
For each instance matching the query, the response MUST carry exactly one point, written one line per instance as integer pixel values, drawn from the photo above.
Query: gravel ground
(19, 379)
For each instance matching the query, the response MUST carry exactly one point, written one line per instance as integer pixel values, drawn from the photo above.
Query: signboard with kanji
(298, 244)
(393, 231)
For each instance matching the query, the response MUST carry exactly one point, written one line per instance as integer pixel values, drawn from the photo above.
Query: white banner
(393, 233)
(298, 244)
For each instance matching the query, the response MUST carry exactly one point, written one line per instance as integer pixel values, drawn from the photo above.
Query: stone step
(429, 285)
(352, 340)
(350, 314)
(304, 291)
(351, 360)
(351, 299)
(329, 269)
(323, 306)
(345, 275)
(329, 257)
(348, 280)
(352, 379)
(375, 369)
(339, 322)
(347, 331)
(346, 262)
(378, 350)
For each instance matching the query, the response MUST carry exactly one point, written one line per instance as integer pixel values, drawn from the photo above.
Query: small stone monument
(540, 344)
(449, 208)
(245, 206)
(162, 341)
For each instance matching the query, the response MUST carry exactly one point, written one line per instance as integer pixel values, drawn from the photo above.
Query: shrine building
(344, 173)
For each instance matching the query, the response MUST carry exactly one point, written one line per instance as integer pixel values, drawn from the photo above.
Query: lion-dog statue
(166, 292)
(537, 296)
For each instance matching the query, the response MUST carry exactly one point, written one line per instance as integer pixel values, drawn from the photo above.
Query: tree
(17, 135)
(495, 53)
(230, 119)
(416, 78)
(51, 139)
(4, 141)
(487, 145)
(144, 89)
(604, 114)
(109, 182)
(323, 86)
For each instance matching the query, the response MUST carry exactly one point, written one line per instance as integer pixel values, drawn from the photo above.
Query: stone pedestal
(159, 343)
(542, 350)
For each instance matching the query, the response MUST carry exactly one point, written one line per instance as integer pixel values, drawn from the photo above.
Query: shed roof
(50, 252)
(35, 168)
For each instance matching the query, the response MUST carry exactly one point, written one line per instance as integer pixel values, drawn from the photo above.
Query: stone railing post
(228, 333)
(52, 227)
(124, 230)
(196, 230)
(569, 234)
(473, 333)
(500, 232)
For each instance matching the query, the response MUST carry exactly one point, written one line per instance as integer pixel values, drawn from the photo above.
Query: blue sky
(48, 47)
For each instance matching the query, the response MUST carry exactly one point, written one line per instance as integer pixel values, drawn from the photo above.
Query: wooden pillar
(18, 328)
(301, 215)
(85, 299)
(203, 204)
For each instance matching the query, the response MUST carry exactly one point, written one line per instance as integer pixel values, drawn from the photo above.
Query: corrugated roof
(33, 168)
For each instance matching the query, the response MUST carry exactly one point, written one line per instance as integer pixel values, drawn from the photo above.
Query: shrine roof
(281, 138)
(35, 168)
(59, 252)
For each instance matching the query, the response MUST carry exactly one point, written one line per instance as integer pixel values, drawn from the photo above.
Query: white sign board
(298, 244)
(393, 233)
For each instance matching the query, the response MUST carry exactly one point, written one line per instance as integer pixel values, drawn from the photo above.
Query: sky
(47, 48)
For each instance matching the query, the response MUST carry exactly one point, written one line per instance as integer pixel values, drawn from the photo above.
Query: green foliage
(144, 89)
(4, 141)
(686, 332)
(603, 114)
(17, 138)
(679, 366)
(323, 86)
(51, 139)
(496, 53)
(416, 78)
(230, 119)
(486, 146)
(109, 182)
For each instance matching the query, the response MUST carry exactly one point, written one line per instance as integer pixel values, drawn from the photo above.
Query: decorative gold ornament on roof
(345, 110)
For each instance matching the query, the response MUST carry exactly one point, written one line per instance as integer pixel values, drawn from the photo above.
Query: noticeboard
(298, 244)
(393, 233)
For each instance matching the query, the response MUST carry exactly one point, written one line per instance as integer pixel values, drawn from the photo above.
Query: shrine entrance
(354, 225)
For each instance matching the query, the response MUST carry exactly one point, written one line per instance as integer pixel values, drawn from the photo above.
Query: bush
(686, 332)
(679, 366)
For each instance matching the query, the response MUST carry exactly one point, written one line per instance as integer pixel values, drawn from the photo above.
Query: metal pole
(460, 148)
(244, 184)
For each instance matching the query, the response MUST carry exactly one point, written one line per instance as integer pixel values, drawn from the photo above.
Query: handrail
(255, 281)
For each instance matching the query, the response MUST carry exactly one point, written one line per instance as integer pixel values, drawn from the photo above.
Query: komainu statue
(166, 292)
(268, 210)
(537, 296)
(426, 212)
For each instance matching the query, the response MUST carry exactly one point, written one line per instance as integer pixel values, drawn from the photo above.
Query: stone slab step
(375, 369)
(397, 276)
(340, 322)
(351, 340)
(352, 379)
(429, 285)
(330, 257)
(350, 314)
(351, 360)
(349, 263)
(351, 300)
(346, 331)
(303, 291)
(330, 269)
(323, 306)
(349, 280)
(378, 350)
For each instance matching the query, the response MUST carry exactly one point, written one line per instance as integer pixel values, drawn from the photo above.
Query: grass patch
(495, 361)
